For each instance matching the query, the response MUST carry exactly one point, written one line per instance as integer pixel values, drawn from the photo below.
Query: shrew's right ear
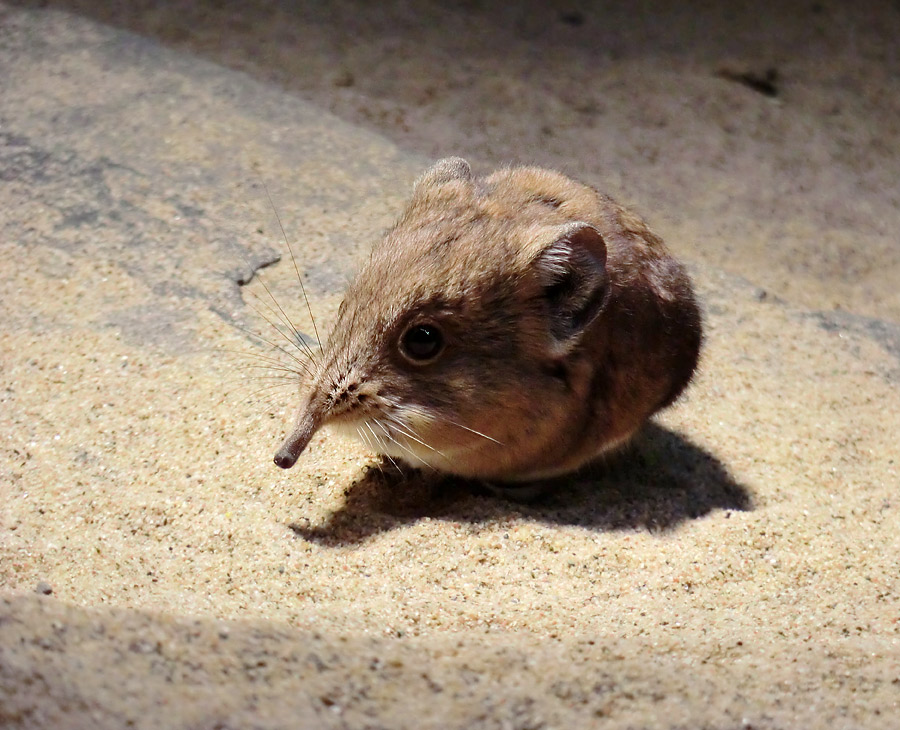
(572, 272)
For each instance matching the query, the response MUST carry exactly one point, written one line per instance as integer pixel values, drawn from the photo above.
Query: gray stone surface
(649, 100)
(125, 157)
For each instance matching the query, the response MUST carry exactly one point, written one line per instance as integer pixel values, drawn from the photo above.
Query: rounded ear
(574, 282)
(443, 171)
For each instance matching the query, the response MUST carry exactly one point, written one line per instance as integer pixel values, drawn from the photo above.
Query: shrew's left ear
(444, 171)
(572, 271)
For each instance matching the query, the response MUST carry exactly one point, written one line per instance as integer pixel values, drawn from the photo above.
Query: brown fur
(566, 325)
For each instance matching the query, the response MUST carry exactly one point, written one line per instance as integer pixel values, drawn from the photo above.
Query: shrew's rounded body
(507, 328)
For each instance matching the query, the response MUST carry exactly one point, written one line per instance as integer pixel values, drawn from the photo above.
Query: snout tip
(297, 441)
(284, 459)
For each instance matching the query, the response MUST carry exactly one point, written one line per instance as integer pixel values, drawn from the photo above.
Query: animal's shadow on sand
(657, 483)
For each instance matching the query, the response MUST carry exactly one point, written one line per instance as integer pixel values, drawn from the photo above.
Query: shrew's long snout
(297, 440)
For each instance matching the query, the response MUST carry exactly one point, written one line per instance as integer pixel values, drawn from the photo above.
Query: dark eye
(422, 342)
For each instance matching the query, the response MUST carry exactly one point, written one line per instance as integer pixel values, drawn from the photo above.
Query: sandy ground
(738, 567)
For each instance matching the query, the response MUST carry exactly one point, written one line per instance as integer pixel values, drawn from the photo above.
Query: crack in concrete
(242, 278)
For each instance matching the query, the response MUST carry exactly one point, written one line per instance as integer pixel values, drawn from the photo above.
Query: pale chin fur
(412, 453)
(368, 432)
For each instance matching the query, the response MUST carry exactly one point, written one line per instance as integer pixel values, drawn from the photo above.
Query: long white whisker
(263, 302)
(364, 438)
(281, 378)
(405, 429)
(259, 391)
(416, 457)
(256, 355)
(379, 442)
(391, 458)
(277, 347)
(273, 368)
(244, 380)
(294, 260)
(297, 342)
(472, 430)
(284, 317)
(266, 362)
(382, 450)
